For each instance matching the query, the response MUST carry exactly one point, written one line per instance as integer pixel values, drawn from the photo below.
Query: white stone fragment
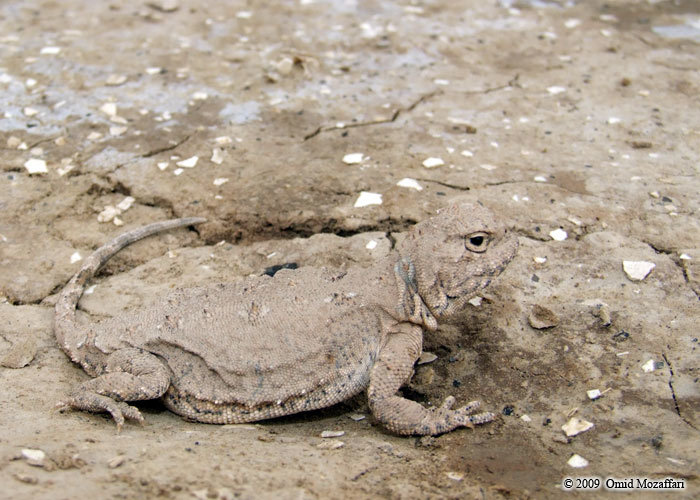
(540, 178)
(467, 153)
(594, 394)
(426, 357)
(50, 51)
(558, 235)
(366, 198)
(285, 65)
(526, 418)
(685, 256)
(371, 245)
(577, 461)
(109, 213)
(555, 89)
(433, 162)
(30, 111)
(220, 181)
(200, 96)
(476, 301)
(649, 366)
(223, 140)
(153, 70)
(35, 166)
(637, 270)
(353, 158)
(455, 476)
(114, 80)
(93, 136)
(109, 108)
(357, 417)
(178, 171)
(126, 203)
(34, 457)
(332, 434)
(540, 260)
(244, 14)
(117, 221)
(217, 156)
(576, 426)
(189, 162)
(613, 120)
(163, 164)
(441, 81)
(572, 23)
(410, 183)
(75, 257)
(117, 131)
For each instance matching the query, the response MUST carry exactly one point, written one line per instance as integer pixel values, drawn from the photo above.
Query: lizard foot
(445, 419)
(97, 403)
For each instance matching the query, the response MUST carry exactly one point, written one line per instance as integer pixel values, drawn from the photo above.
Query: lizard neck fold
(410, 301)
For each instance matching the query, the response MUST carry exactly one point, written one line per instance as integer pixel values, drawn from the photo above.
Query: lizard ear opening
(477, 242)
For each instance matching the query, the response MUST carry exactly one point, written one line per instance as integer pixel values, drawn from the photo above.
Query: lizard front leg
(392, 368)
(129, 375)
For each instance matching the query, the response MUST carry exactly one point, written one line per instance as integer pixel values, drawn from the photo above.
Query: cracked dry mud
(575, 116)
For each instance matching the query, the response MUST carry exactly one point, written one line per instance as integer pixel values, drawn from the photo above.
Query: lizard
(299, 340)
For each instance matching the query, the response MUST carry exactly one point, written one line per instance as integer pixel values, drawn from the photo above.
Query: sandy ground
(569, 119)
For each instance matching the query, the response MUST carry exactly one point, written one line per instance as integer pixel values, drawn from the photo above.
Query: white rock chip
(555, 89)
(162, 165)
(577, 461)
(353, 158)
(476, 301)
(126, 203)
(330, 445)
(113, 80)
(108, 214)
(220, 181)
(540, 260)
(332, 434)
(558, 235)
(594, 394)
(75, 257)
(637, 270)
(366, 198)
(217, 156)
(34, 457)
(117, 131)
(30, 111)
(189, 162)
(649, 366)
(50, 51)
(526, 418)
(433, 162)
(455, 476)
(109, 108)
(410, 183)
(576, 426)
(36, 166)
(371, 245)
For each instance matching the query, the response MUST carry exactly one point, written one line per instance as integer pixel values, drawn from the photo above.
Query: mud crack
(673, 392)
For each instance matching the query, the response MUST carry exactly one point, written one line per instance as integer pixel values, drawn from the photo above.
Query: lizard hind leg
(129, 375)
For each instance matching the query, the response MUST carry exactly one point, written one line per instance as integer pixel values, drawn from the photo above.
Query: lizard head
(454, 255)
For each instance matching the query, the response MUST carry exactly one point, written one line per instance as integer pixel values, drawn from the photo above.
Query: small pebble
(353, 158)
(34, 457)
(108, 214)
(114, 80)
(332, 434)
(410, 183)
(20, 354)
(189, 162)
(594, 394)
(153, 70)
(577, 461)
(558, 235)
(109, 108)
(51, 51)
(217, 156)
(116, 461)
(455, 476)
(576, 426)
(649, 366)
(542, 318)
(366, 198)
(162, 165)
(371, 245)
(178, 171)
(93, 136)
(219, 181)
(526, 418)
(117, 131)
(572, 23)
(556, 89)
(35, 166)
(433, 162)
(75, 257)
(476, 301)
(637, 270)
(540, 260)
(540, 178)
(357, 417)
(488, 166)
(126, 203)
(30, 111)
(426, 357)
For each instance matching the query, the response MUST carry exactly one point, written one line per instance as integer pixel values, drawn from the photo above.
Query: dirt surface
(572, 116)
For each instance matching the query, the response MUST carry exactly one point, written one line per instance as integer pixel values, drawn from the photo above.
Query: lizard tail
(69, 338)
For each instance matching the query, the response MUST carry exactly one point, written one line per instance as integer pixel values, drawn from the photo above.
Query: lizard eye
(477, 242)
